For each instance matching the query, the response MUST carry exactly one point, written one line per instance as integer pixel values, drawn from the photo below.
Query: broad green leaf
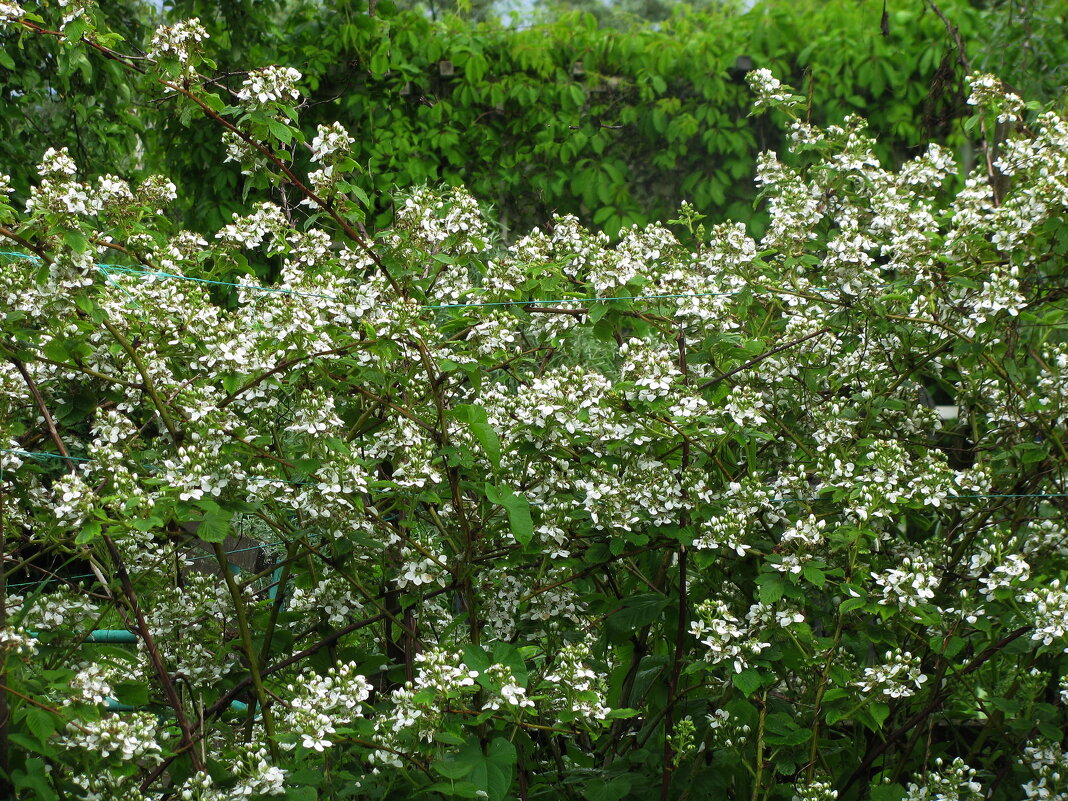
(476, 420)
(215, 527)
(638, 611)
(518, 509)
(748, 681)
(493, 771)
(42, 724)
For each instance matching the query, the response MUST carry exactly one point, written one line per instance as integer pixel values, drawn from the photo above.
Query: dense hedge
(615, 126)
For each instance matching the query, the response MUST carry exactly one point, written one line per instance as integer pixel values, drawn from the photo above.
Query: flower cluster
(17, 641)
(1048, 765)
(898, 677)
(10, 12)
(767, 88)
(264, 88)
(317, 703)
(952, 782)
(181, 42)
(133, 736)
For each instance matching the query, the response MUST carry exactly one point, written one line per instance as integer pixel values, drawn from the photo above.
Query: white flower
(181, 41)
(767, 88)
(330, 140)
(269, 85)
(899, 677)
(10, 11)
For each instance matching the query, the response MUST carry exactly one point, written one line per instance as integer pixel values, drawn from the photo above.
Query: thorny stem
(150, 386)
(758, 777)
(153, 652)
(247, 646)
(50, 423)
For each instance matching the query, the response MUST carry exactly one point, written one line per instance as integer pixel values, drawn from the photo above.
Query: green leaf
(476, 420)
(504, 653)
(849, 604)
(879, 713)
(452, 767)
(638, 611)
(6, 61)
(214, 102)
(518, 509)
(814, 574)
(282, 132)
(748, 681)
(476, 658)
(455, 789)
(76, 241)
(613, 790)
(132, 693)
(449, 738)
(56, 351)
(887, 792)
(90, 531)
(33, 779)
(215, 527)
(772, 588)
(492, 771)
(31, 745)
(231, 383)
(41, 724)
(596, 312)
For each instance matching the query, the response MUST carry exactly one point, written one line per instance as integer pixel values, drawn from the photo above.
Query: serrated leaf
(282, 132)
(637, 612)
(772, 588)
(215, 527)
(813, 574)
(56, 351)
(214, 102)
(476, 419)
(90, 531)
(849, 604)
(748, 681)
(879, 712)
(492, 771)
(30, 744)
(33, 780)
(41, 724)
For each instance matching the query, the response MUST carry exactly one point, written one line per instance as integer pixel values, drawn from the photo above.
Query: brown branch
(50, 424)
(7, 232)
(153, 653)
(285, 365)
(761, 357)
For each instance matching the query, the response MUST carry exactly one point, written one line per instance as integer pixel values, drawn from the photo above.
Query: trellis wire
(45, 454)
(106, 269)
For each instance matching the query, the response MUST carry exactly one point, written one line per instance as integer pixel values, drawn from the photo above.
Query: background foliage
(616, 126)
